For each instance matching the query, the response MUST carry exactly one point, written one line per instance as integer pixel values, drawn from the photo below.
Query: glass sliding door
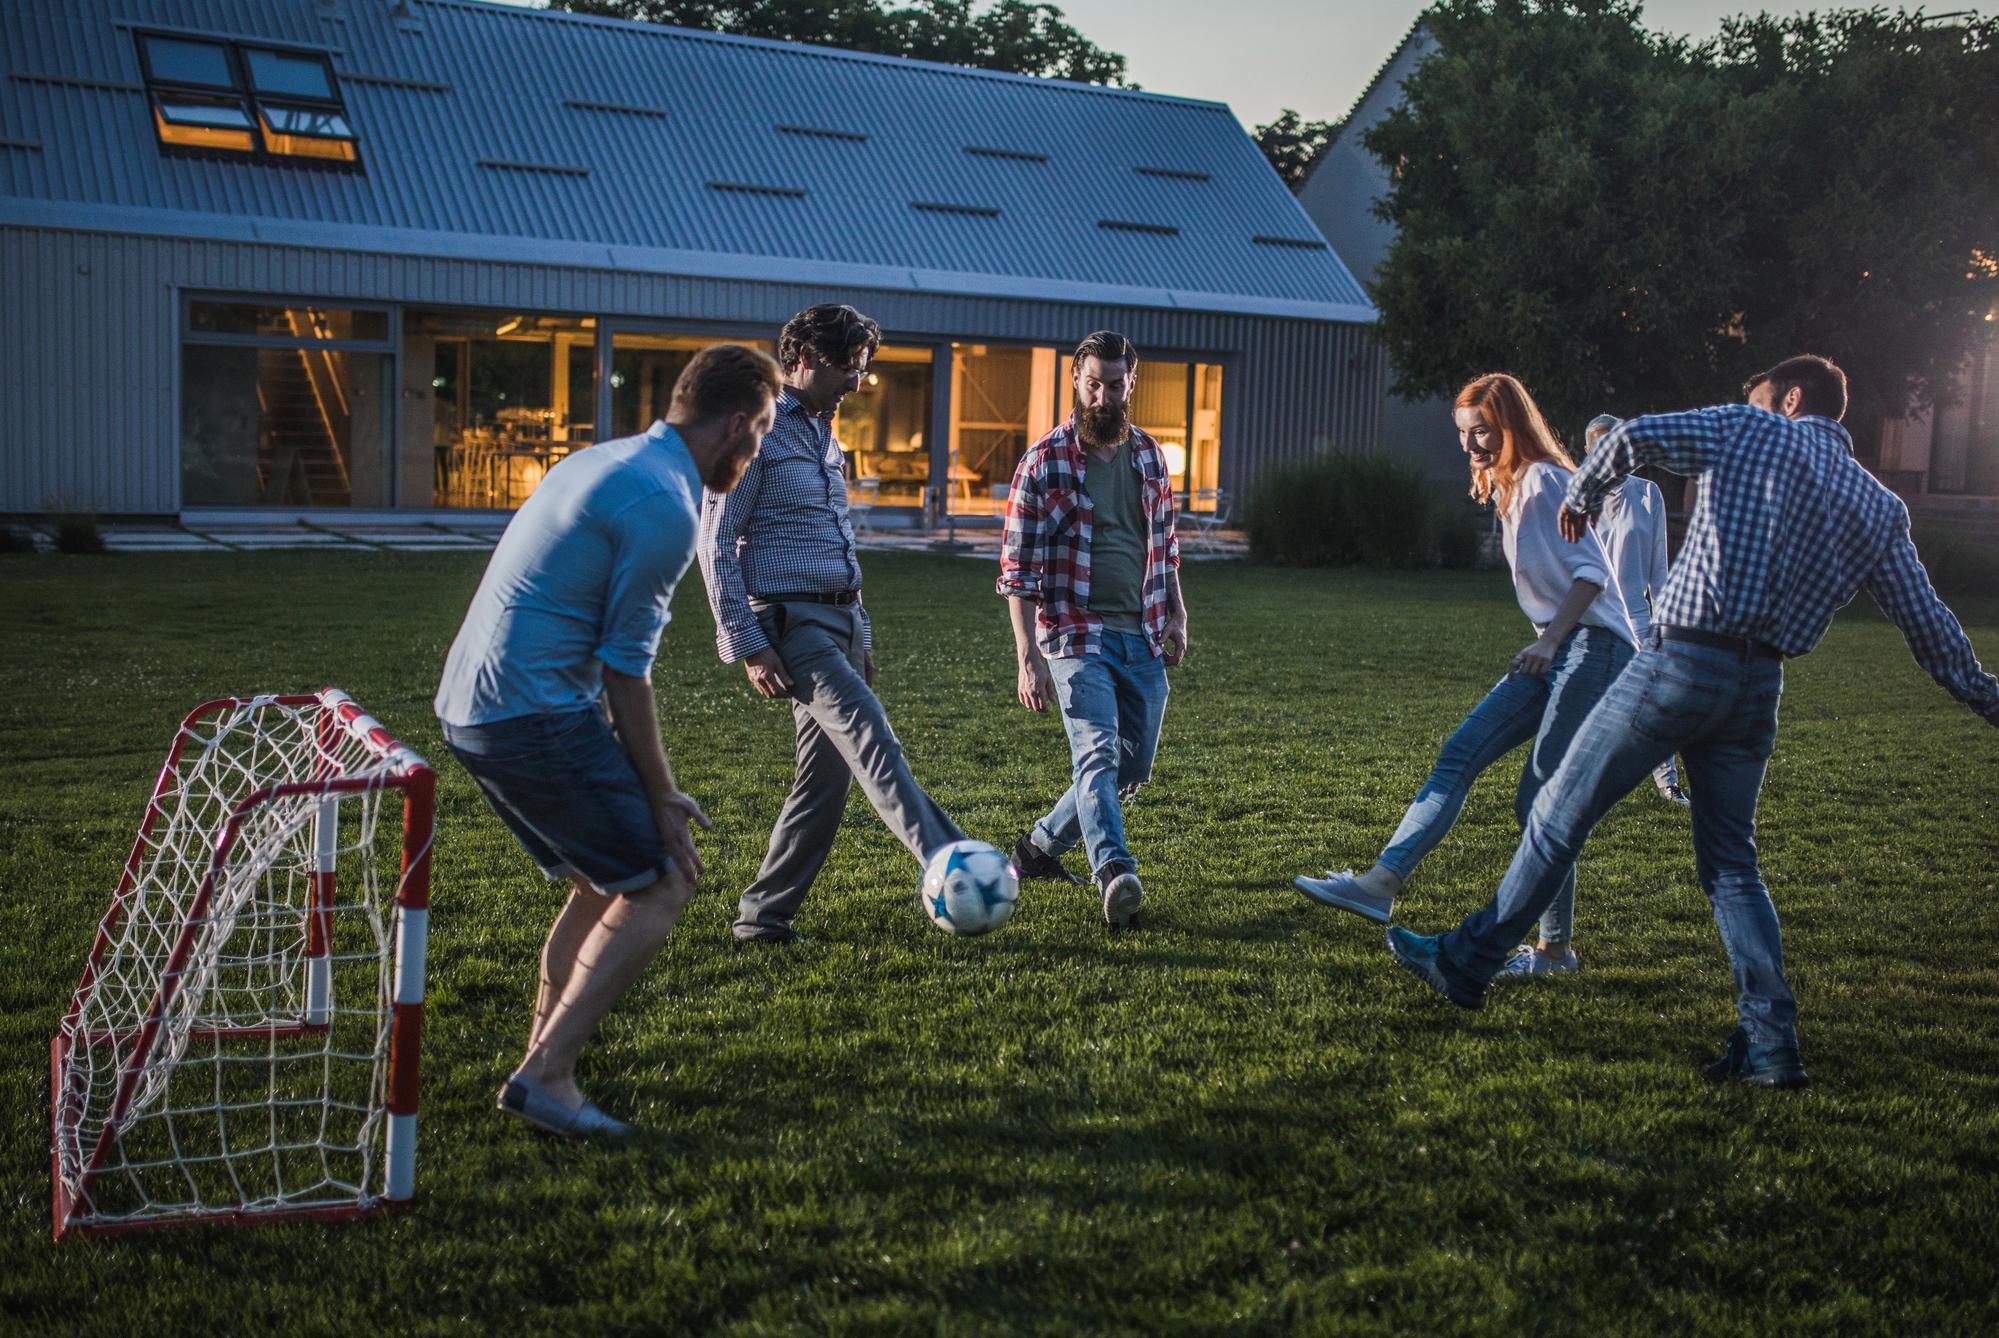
(644, 368)
(499, 397)
(884, 427)
(284, 406)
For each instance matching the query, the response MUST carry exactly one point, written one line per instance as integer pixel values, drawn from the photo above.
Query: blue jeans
(1716, 708)
(1548, 710)
(1112, 705)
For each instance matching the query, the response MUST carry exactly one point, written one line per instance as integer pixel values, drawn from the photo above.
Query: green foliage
(77, 533)
(1293, 144)
(1014, 35)
(1959, 562)
(1242, 1119)
(1331, 510)
(1632, 223)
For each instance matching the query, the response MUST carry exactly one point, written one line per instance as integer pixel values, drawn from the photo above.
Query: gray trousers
(842, 733)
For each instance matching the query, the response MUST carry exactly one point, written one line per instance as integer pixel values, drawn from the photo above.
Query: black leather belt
(1740, 645)
(841, 598)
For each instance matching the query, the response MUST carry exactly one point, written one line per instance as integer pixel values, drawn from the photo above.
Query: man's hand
(868, 667)
(1573, 525)
(1536, 659)
(1175, 639)
(1035, 686)
(672, 815)
(767, 674)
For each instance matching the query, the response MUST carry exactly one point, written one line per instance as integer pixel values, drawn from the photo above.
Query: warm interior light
(202, 136)
(873, 379)
(306, 146)
(509, 325)
(1176, 457)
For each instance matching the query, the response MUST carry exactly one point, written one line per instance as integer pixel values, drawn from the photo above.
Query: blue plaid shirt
(1787, 529)
(783, 530)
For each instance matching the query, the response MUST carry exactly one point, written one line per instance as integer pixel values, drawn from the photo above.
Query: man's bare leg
(614, 953)
(579, 916)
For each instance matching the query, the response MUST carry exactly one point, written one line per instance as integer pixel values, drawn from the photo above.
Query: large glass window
(884, 427)
(1180, 405)
(279, 407)
(1002, 401)
(506, 395)
(644, 368)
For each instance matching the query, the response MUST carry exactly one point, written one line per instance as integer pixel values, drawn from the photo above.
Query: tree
(1014, 35)
(1293, 144)
(1631, 223)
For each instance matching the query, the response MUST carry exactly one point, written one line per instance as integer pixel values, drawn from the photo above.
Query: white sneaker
(1528, 960)
(1123, 895)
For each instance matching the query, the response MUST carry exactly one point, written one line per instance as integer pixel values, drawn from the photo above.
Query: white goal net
(243, 1042)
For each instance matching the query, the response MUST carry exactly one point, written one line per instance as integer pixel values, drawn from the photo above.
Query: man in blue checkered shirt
(1788, 527)
(784, 582)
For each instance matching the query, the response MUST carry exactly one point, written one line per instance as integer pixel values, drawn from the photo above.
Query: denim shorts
(566, 789)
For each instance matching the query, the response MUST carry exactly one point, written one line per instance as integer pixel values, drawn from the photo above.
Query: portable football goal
(243, 1044)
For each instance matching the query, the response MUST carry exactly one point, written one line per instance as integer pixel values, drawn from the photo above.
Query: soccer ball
(968, 888)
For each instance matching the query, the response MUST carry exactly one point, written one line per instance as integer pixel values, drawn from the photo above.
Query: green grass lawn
(1242, 1117)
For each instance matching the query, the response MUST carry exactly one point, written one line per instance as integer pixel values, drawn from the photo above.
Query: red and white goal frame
(243, 1044)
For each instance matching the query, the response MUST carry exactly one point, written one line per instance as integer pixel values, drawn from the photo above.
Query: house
(401, 256)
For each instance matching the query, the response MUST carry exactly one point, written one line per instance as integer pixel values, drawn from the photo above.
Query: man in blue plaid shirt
(1788, 527)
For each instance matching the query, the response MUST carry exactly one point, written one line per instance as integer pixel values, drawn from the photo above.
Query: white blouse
(1632, 528)
(1545, 564)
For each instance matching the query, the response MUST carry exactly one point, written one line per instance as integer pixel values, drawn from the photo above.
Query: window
(235, 98)
(285, 406)
(644, 368)
(501, 398)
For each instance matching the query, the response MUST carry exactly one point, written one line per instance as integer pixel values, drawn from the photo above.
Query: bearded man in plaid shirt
(1786, 529)
(1090, 568)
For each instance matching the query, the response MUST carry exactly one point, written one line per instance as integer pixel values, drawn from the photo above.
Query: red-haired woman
(1584, 639)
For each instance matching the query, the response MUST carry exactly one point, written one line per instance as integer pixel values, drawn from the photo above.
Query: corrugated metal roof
(493, 131)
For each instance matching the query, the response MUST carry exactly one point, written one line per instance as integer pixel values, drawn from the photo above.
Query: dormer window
(234, 97)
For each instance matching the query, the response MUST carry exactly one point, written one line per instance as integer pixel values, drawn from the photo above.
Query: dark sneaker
(1123, 895)
(1034, 864)
(1420, 955)
(1343, 891)
(1775, 1066)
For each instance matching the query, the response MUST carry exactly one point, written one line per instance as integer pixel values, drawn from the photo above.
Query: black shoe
(1775, 1066)
(1034, 864)
(781, 934)
(1123, 894)
(1423, 957)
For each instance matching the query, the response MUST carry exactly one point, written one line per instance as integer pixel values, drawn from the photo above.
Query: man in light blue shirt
(547, 701)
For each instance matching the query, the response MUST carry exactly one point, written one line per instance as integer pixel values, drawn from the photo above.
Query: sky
(1313, 56)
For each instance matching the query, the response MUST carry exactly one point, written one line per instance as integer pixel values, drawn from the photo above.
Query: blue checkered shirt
(1788, 527)
(783, 530)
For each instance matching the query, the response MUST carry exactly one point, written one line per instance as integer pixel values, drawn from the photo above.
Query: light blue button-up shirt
(581, 579)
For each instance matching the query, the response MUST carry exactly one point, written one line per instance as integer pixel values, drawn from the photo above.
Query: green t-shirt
(1117, 540)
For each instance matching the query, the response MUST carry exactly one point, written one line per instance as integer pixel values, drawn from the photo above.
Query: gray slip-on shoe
(525, 1101)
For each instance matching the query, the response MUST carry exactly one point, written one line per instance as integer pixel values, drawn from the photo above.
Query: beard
(727, 469)
(1105, 425)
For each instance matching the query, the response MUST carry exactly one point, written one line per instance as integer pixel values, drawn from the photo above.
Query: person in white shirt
(1632, 530)
(1584, 639)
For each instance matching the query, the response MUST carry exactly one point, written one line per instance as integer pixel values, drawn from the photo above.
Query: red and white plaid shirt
(1045, 554)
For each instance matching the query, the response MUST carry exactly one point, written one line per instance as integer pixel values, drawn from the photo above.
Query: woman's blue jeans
(1549, 710)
